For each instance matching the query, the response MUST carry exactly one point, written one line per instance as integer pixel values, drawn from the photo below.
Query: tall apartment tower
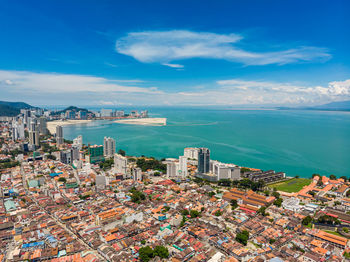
(108, 147)
(203, 160)
(59, 135)
(78, 142)
(183, 171)
(172, 169)
(43, 126)
(34, 134)
(120, 164)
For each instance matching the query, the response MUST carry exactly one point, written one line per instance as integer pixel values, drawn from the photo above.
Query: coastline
(51, 125)
(143, 121)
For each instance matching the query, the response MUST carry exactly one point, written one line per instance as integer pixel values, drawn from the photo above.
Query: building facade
(108, 147)
(203, 160)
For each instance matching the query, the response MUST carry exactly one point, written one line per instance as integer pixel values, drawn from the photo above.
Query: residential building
(172, 168)
(34, 134)
(182, 170)
(137, 174)
(120, 164)
(82, 114)
(106, 112)
(43, 126)
(267, 176)
(78, 142)
(59, 135)
(191, 152)
(225, 171)
(108, 147)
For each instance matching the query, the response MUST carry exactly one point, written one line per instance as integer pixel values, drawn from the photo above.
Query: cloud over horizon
(53, 88)
(165, 47)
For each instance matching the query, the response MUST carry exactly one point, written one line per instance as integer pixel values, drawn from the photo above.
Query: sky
(187, 53)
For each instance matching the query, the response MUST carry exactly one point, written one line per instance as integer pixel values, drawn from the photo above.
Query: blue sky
(104, 53)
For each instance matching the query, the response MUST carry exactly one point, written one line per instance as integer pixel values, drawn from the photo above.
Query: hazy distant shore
(51, 125)
(143, 121)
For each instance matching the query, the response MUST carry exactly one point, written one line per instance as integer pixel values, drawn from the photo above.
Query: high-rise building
(66, 157)
(75, 153)
(43, 126)
(108, 147)
(119, 113)
(95, 154)
(203, 160)
(171, 169)
(70, 114)
(106, 112)
(225, 171)
(78, 142)
(120, 164)
(101, 181)
(144, 113)
(14, 133)
(182, 171)
(20, 127)
(137, 174)
(34, 134)
(59, 135)
(82, 115)
(191, 152)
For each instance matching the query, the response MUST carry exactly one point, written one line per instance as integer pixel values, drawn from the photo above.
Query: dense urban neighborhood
(65, 200)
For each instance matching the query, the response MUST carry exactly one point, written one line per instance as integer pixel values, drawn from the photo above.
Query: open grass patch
(333, 232)
(292, 185)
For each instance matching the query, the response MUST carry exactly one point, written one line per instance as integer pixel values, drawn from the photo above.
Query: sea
(297, 142)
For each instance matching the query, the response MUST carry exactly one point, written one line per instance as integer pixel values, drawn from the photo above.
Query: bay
(296, 142)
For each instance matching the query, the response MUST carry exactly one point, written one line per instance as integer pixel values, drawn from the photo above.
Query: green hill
(12, 108)
(71, 108)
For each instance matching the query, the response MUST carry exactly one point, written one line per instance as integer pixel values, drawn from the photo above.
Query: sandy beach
(51, 125)
(143, 121)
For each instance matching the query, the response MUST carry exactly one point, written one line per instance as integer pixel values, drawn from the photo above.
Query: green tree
(218, 213)
(62, 179)
(243, 237)
(121, 152)
(161, 252)
(185, 212)
(276, 194)
(262, 210)
(333, 177)
(146, 253)
(194, 213)
(278, 202)
(306, 220)
(234, 204)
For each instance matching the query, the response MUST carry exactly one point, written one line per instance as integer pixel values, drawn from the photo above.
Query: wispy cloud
(173, 65)
(69, 83)
(110, 64)
(166, 46)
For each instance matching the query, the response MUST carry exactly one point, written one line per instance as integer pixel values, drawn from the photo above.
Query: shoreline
(143, 121)
(51, 125)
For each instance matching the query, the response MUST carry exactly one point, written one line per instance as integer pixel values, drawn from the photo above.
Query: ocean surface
(296, 142)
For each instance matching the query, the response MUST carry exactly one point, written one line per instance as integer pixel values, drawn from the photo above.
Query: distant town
(65, 200)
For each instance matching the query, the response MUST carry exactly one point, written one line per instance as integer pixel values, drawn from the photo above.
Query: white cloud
(242, 92)
(68, 83)
(173, 65)
(52, 88)
(167, 46)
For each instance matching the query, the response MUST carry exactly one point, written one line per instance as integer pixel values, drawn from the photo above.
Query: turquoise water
(296, 142)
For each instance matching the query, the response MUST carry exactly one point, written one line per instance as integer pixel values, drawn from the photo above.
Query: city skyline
(189, 54)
